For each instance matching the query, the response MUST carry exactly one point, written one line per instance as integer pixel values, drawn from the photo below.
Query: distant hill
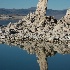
(15, 11)
(56, 13)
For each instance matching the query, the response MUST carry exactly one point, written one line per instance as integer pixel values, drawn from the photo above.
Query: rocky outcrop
(38, 26)
(67, 16)
(41, 8)
(62, 29)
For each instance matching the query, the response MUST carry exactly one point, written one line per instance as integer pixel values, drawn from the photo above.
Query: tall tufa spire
(41, 7)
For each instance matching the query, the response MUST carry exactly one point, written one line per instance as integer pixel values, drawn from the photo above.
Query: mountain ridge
(56, 13)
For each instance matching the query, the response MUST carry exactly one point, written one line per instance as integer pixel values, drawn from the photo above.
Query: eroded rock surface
(62, 29)
(38, 26)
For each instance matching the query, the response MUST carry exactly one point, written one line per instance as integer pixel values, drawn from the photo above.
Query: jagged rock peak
(68, 12)
(67, 16)
(41, 7)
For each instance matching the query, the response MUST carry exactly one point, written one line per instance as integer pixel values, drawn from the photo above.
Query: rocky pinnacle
(38, 26)
(41, 7)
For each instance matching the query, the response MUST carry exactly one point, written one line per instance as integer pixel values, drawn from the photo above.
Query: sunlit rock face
(35, 25)
(62, 29)
(41, 8)
(26, 29)
(67, 16)
(38, 26)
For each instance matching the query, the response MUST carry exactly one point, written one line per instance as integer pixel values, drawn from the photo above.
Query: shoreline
(7, 17)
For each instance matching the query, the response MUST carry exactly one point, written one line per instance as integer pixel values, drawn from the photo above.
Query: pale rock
(38, 26)
(67, 16)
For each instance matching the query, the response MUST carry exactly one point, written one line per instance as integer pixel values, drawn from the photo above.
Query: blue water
(59, 62)
(13, 58)
(5, 22)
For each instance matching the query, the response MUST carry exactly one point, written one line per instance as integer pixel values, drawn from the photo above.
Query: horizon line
(33, 7)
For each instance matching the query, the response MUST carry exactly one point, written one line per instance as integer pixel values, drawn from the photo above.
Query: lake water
(26, 58)
(5, 22)
(13, 58)
(34, 56)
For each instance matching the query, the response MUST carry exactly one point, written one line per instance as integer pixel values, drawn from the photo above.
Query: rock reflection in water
(42, 49)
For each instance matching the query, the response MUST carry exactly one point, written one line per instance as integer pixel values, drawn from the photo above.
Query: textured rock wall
(62, 29)
(67, 16)
(38, 26)
(41, 7)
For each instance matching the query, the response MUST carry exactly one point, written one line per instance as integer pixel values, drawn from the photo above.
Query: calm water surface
(14, 58)
(5, 22)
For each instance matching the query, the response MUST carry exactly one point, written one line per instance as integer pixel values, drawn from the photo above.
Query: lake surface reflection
(34, 55)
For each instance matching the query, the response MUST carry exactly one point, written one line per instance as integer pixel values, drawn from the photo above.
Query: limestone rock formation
(62, 29)
(38, 26)
(67, 16)
(41, 8)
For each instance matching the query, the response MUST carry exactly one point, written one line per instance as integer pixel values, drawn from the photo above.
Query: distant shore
(6, 17)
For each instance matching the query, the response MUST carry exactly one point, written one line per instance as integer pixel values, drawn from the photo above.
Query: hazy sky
(52, 4)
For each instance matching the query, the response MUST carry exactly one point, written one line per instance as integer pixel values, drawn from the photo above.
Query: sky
(19, 4)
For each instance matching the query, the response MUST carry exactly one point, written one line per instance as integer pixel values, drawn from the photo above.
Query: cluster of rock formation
(62, 29)
(38, 26)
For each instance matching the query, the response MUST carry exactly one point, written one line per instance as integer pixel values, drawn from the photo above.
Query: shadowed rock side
(42, 49)
(38, 26)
